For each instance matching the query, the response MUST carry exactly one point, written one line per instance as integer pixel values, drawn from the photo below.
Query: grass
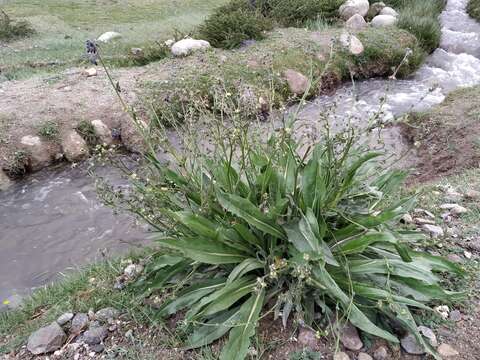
(87, 131)
(63, 26)
(49, 130)
(10, 29)
(474, 9)
(421, 19)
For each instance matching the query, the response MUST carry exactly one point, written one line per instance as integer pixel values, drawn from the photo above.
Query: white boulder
(109, 36)
(40, 153)
(383, 21)
(352, 7)
(74, 147)
(103, 132)
(352, 43)
(187, 46)
(4, 181)
(387, 10)
(356, 22)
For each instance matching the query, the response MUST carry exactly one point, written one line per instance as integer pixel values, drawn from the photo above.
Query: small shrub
(474, 9)
(426, 29)
(149, 53)
(234, 23)
(17, 166)
(49, 130)
(10, 30)
(87, 132)
(255, 226)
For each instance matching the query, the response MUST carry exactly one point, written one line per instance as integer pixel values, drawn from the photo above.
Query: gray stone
(98, 348)
(454, 209)
(133, 270)
(454, 258)
(447, 352)
(40, 154)
(350, 338)
(383, 21)
(109, 36)
(308, 338)
(364, 356)
(434, 230)
(381, 353)
(136, 52)
(356, 22)
(103, 132)
(429, 334)
(106, 314)
(455, 316)
(297, 82)
(187, 46)
(388, 11)
(79, 323)
(341, 356)
(352, 43)
(410, 345)
(472, 195)
(64, 318)
(94, 335)
(74, 147)
(11, 303)
(5, 181)
(352, 7)
(46, 339)
(474, 245)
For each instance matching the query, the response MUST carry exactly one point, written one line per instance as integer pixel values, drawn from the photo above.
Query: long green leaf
(245, 267)
(239, 339)
(244, 209)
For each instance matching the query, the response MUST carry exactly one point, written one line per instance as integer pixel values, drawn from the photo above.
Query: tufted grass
(474, 9)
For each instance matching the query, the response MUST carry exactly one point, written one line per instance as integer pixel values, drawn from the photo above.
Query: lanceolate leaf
(324, 281)
(239, 339)
(198, 224)
(245, 267)
(244, 209)
(205, 250)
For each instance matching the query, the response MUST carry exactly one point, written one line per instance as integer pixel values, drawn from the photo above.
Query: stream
(52, 221)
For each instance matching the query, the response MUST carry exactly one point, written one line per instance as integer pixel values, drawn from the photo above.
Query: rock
(307, 338)
(454, 209)
(422, 221)
(11, 303)
(434, 230)
(447, 352)
(297, 82)
(381, 353)
(94, 335)
(472, 195)
(388, 11)
(375, 9)
(455, 316)
(133, 270)
(341, 356)
(467, 254)
(352, 43)
(454, 258)
(106, 314)
(383, 21)
(429, 334)
(356, 22)
(364, 356)
(452, 195)
(407, 219)
(5, 181)
(98, 348)
(474, 245)
(65, 318)
(350, 338)
(74, 147)
(79, 323)
(352, 7)
(109, 36)
(40, 153)
(90, 72)
(424, 212)
(443, 311)
(46, 339)
(103, 132)
(136, 52)
(187, 46)
(169, 42)
(410, 345)
(131, 136)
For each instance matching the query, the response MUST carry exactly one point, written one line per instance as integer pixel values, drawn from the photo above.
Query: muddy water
(53, 221)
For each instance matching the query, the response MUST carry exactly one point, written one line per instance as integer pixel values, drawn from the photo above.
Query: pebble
(98, 348)
(350, 338)
(472, 195)
(306, 337)
(364, 356)
(381, 353)
(106, 314)
(425, 212)
(467, 254)
(443, 310)
(65, 318)
(424, 221)
(455, 209)
(447, 352)
(341, 356)
(455, 316)
(429, 334)
(454, 258)
(79, 323)
(90, 72)
(407, 219)
(434, 230)
(95, 335)
(410, 345)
